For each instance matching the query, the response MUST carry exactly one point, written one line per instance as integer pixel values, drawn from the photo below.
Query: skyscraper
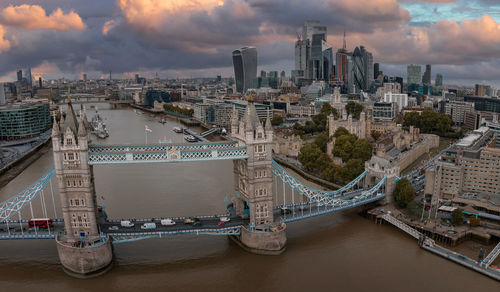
(426, 79)
(414, 73)
(20, 75)
(376, 70)
(439, 80)
(245, 67)
(2, 94)
(362, 61)
(29, 78)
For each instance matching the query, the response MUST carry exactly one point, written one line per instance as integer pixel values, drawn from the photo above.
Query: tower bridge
(84, 234)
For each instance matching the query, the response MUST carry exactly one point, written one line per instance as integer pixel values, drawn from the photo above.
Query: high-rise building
(313, 55)
(20, 75)
(376, 70)
(2, 94)
(480, 90)
(84, 77)
(29, 78)
(40, 82)
(414, 73)
(426, 78)
(362, 68)
(263, 73)
(439, 80)
(245, 67)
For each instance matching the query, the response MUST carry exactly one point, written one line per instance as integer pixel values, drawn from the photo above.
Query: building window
(69, 141)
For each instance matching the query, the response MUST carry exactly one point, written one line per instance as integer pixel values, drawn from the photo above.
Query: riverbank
(13, 169)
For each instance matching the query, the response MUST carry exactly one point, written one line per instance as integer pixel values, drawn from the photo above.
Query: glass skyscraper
(245, 67)
(414, 74)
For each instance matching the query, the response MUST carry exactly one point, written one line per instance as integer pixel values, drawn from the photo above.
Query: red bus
(40, 223)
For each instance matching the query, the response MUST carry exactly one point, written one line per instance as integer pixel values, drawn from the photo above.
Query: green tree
(403, 193)
(330, 173)
(322, 140)
(354, 109)
(322, 162)
(457, 217)
(362, 149)
(340, 132)
(277, 120)
(327, 109)
(344, 146)
(376, 135)
(308, 155)
(351, 170)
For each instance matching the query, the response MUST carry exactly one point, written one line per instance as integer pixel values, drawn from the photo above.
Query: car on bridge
(224, 219)
(167, 222)
(126, 223)
(113, 228)
(149, 225)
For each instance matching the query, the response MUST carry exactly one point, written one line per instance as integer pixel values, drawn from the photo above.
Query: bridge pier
(262, 242)
(85, 261)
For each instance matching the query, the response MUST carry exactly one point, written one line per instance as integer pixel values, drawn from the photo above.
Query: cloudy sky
(183, 38)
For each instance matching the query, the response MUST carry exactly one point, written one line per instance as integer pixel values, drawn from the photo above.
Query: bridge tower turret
(78, 200)
(253, 184)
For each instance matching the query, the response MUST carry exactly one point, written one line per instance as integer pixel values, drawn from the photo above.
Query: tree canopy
(403, 193)
(429, 122)
(277, 120)
(308, 155)
(354, 109)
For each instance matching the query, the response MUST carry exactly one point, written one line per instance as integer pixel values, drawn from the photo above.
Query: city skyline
(129, 36)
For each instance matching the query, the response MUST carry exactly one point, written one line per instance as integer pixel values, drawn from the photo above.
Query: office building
(426, 78)
(439, 80)
(2, 94)
(401, 99)
(20, 75)
(484, 104)
(376, 70)
(458, 109)
(245, 67)
(471, 166)
(481, 90)
(24, 120)
(362, 61)
(385, 111)
(414, 74)
(153, 95)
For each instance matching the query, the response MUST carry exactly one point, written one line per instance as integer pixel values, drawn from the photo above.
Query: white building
(400, 98)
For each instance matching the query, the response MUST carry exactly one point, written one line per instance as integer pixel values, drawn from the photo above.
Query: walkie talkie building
(245, 67)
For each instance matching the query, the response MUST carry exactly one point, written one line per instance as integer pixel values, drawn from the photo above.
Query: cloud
(35, 17)
(108, 25)
(4, 43)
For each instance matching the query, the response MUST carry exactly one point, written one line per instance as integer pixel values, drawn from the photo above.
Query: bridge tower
(82, 250)
(379, 167)
(253, 183)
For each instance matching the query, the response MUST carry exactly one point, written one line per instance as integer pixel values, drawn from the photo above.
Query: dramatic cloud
(4, 43)
(196, 37)
(35, 17)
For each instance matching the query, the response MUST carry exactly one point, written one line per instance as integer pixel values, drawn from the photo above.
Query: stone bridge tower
(379, 167)
(83, 251)
(254, 181)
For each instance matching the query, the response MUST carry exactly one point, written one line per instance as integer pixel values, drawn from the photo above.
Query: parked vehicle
(126, 223)
(114, 228)
(188, 221)
(225, 219)
(167, 222)
(149, 225)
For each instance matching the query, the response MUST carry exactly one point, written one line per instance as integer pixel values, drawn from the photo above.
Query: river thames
(336, 252)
